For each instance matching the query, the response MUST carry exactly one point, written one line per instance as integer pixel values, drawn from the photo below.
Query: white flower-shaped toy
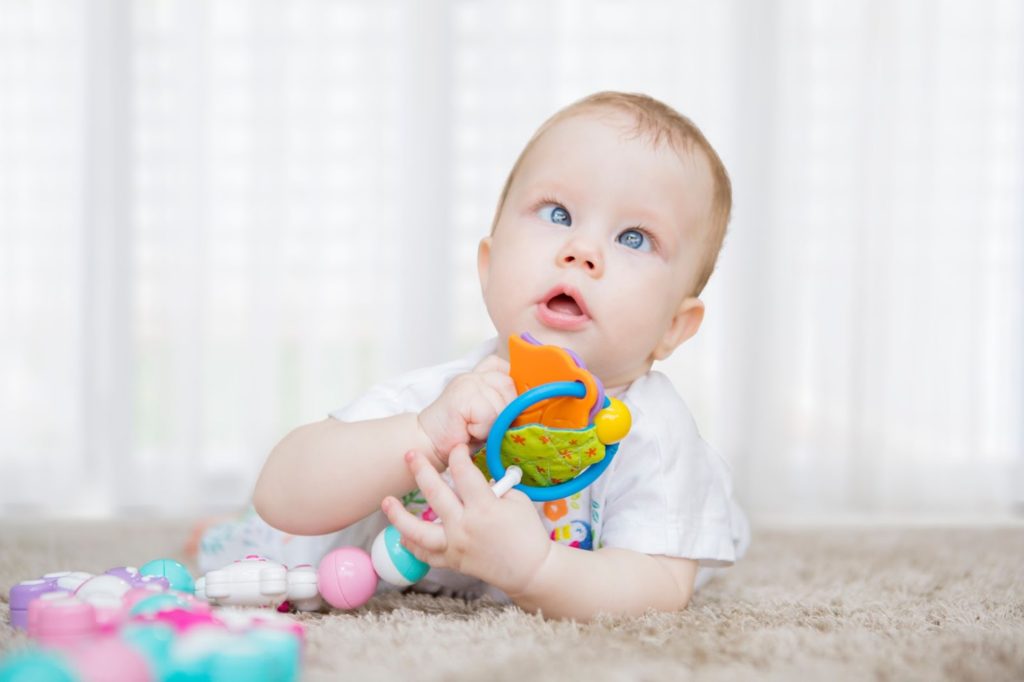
(258, 581)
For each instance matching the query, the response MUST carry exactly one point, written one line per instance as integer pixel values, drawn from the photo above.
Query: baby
(606, 232)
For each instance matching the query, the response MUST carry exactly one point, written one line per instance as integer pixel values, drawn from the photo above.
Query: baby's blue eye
(634, 239)
(555, 214)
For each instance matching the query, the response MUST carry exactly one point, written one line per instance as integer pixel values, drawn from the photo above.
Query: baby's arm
(572, 583)
(327, 475)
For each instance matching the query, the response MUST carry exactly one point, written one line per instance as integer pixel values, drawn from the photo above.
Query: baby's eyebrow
(548, 186)
(661, 225)
(649, 218)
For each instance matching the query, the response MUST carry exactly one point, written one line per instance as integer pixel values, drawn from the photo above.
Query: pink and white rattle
(346, 578)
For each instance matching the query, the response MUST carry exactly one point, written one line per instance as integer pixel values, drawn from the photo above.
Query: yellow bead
(613, 422)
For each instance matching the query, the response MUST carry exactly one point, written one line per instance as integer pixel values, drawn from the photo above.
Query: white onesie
(666, 492)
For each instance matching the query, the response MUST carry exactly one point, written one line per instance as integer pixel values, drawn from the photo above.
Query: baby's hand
(468, 406)
(500, 541)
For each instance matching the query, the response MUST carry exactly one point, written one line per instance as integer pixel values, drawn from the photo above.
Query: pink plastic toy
(182, 619)
(61, 620)
(111, 660)
(346, 578)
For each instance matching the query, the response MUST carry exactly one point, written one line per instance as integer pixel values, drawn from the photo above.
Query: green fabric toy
(547, 456)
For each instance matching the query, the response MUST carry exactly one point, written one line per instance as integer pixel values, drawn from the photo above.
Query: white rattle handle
(513, 475)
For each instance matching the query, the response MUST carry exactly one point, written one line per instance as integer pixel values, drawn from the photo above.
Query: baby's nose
(578, 254)
(586, 262)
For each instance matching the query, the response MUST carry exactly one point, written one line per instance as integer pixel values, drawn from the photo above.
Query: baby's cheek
(646, 317)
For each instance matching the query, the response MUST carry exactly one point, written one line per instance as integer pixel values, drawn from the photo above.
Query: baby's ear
(483, 261)
(684, 325)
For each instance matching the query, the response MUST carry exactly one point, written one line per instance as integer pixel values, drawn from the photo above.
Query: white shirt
(666, 492)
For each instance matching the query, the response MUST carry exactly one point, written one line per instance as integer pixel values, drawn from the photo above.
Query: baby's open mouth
(563, 308)
(565, 304)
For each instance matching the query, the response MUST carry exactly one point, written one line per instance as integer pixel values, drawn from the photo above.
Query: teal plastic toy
(177, 575)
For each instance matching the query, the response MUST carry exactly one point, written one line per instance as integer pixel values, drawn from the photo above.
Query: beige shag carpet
(815, 603)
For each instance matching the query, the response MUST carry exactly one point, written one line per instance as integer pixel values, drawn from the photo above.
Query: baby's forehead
(629, 127)
(573, 135)
(588, 147)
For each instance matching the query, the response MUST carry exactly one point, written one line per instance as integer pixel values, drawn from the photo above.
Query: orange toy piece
(531, 366)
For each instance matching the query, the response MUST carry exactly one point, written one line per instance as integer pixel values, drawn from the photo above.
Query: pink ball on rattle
(346, 578)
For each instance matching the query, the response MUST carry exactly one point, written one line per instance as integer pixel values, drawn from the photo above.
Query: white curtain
(219, 220)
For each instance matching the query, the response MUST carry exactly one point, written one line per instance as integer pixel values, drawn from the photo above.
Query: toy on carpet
(135, 625)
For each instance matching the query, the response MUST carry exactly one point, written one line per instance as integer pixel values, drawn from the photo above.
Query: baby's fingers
(441, 497)
(503, 384)
(496, 391)
(493, 402)
(435, 559)
(416, 533)
(471, 484)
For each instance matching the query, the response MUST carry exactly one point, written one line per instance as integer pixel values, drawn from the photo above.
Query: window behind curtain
(221, 220)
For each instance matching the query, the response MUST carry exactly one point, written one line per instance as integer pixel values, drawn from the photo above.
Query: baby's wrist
(427, 446)
(531, 591)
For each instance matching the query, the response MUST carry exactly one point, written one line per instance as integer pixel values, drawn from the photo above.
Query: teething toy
(558, 435)
(561, 429)
(532, 364)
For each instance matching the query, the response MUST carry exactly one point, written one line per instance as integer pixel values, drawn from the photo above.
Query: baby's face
(598, 244)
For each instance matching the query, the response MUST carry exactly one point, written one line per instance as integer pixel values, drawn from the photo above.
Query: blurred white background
(221, 219)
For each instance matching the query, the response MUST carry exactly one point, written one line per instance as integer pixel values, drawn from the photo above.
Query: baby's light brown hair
(660, 123)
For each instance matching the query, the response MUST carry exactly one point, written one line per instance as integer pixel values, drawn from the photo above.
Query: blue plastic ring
(556, 389)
